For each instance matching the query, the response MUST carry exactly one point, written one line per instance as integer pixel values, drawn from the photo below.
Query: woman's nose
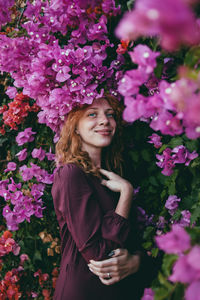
(103, 119)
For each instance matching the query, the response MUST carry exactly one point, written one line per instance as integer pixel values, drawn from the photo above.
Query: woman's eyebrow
(96, 108)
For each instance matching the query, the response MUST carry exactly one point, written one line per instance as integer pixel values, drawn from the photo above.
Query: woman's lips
(105, 132)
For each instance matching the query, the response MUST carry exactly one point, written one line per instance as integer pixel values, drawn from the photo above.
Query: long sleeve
(95, 233)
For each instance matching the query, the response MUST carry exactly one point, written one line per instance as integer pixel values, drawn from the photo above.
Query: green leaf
(195, 214)
(161, 294)
(37, 256)
(168, 261)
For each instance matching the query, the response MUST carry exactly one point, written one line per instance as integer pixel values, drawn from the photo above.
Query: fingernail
(111, 253)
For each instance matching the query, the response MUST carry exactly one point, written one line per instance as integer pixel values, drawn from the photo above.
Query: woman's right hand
(116, 183)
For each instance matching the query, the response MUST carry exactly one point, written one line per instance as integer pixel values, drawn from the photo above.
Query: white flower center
(153, 14)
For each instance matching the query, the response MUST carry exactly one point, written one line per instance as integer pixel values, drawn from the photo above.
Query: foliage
(57, 54)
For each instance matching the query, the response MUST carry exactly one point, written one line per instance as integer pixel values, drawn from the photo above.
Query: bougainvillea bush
(58, 54)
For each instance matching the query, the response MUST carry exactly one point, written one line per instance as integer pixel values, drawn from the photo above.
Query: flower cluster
(60, 77)
(160, 18)
(21, 204)
(187, 268)
(54, 243)
(17, 111)
(43, 278)
(9, 285)
(5, 12)
(171, 157)
(173, 109)
(7, 244)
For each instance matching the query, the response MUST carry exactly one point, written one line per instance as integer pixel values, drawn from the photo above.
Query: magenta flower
(25, 136)
(23, 258)
(183, 155)
(182, 271)
(11, 166)
(38, 153)
(193, 291)
(172, 204)
(159, 18)
(186, 218)
(174, 242)
(22, 154)
(11, 92)
(148, 294)
(130, 83)
(144, 57)
(50, 155)
(155, 140)
(187, 267)
(166, 162)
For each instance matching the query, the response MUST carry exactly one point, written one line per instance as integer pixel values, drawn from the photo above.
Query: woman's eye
(110, 115)
(92, 115)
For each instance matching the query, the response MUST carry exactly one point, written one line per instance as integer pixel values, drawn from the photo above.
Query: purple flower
(148, 294)
(11, 166)
(25, 136)
(11, 92)
(130, 83)
(186, 218)
(50, 155)
(13, 186)
(174, 242)
(187, 267)
(172, 204)
(38, 153)
(22, 154)
(166, 162)
(155, 140)
(11, 218)
(26, 173)
(183, 155)
(159, 18)
(144, 57)
(193, 291)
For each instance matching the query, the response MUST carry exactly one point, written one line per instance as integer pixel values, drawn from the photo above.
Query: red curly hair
(69, 145)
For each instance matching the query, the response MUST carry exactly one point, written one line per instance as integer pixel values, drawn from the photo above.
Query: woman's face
(97, 125)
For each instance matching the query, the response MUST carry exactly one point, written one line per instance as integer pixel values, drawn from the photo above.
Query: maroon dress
(89, 229)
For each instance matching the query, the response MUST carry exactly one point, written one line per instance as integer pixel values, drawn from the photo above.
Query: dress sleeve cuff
(115, 228)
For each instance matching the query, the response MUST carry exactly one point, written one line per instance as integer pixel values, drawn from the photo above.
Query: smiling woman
(93, 205)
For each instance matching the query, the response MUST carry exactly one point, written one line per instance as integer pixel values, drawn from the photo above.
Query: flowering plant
(55, 55)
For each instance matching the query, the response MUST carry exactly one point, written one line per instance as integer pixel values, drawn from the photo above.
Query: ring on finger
(109, 276)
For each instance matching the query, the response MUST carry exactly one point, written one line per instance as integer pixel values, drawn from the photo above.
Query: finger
(105, 172)
(104, 182)
(104, 263)
(109, 281)
(102, 271)
(119, 252)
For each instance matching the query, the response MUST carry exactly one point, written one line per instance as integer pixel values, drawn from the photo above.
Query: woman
(93, 206)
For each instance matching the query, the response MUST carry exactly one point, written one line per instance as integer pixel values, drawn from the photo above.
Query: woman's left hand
(116, 268)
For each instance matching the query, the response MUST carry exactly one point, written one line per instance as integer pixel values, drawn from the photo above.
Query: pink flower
(160, 18)
(38, 153)
(187, 267)
(175, 241)
(130, 83)
(193, 291)
(182, 271)
(25, 136)
(11, 166)
(22, 154)
(155, 140)
(23, 258)
(11, 92)
(148, 294)
(144, 57)
(172, 204)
